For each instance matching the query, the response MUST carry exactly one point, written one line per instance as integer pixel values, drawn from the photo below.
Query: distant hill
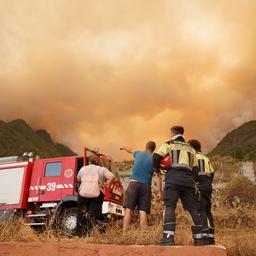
(240, 143)
(17, 137)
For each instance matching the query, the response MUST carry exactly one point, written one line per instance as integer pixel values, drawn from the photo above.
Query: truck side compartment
(14, 185)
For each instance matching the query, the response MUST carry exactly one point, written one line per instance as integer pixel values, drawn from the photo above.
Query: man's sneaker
(201, 242)
(166, 241)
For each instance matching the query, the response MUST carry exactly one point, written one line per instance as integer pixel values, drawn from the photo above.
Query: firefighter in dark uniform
(205, 178)
(179, 183)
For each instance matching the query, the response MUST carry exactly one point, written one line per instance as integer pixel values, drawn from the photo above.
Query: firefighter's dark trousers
(206, 213)
(172, 193)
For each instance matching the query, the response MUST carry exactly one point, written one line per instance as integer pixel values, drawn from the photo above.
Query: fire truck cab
(44, 191)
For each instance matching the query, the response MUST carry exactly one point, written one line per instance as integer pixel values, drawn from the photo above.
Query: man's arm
(195, 172)
(212, 177)
(156, 162)
(79, 175)
(159, 155)
(109, 181)
(195, 167)
(109, 176)
(128, 150)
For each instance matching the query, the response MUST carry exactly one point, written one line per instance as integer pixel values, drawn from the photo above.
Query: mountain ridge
(17, 137)
(240, 143)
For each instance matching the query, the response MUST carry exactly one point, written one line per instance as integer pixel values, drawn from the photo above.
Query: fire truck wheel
(69, 221)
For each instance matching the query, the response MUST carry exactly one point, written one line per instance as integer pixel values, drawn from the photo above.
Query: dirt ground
(80, 249)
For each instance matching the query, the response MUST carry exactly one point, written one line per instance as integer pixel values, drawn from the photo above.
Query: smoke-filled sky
(108, 73)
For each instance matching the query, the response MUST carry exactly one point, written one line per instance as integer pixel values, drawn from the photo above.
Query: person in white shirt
(92, 206)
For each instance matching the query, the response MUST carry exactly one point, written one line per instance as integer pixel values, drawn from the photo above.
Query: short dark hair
(177, 129)
(195, 144)
(151, 146)
(94, 159)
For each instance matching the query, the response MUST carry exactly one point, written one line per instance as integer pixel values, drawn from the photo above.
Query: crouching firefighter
(179, 183)
(205, 178)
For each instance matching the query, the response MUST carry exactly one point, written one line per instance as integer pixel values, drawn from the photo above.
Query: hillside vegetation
(240, 143)
(17, 137)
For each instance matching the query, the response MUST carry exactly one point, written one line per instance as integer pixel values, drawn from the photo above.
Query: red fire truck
(44, 191)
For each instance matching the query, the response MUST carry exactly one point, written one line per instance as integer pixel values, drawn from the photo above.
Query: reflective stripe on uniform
(169, 232)
(204, 164)
(201, 165)
(182, 166)
(183, 155)
(204, 173)
(198, 236)
(170, 223)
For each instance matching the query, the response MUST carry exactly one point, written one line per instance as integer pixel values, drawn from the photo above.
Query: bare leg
(127, 219)
(143, 220)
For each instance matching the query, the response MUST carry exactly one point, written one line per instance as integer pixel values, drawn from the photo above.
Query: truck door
(51, 180)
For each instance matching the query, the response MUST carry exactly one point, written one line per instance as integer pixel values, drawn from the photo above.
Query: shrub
(240, 192)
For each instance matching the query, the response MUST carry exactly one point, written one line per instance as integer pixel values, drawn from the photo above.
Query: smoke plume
(110, 73)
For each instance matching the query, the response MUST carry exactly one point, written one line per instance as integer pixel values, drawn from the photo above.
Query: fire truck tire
(68, 221)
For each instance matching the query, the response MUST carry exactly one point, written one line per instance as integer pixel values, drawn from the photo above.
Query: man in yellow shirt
(179, 183)
(205, 179)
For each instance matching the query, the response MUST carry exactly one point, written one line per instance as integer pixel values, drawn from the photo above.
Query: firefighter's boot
(210, 236)
(199, 240)
(167, 240)
(205, 236)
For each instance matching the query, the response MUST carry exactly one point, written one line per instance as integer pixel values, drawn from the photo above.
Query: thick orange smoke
(108, 73)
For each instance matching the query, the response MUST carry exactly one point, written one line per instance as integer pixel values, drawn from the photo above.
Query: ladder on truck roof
(9, 159)
(27, 156)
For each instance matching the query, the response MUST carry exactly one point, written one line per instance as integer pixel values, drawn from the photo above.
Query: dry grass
(240, 191)
(235, 228)
(18, 232)
(239, 241)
